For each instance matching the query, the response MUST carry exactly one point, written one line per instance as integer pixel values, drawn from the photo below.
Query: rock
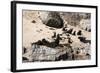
(62, 57)
(44, 53)
(52, 19)
(85, 24)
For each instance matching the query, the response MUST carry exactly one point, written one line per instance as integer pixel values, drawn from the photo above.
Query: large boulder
(52, 19)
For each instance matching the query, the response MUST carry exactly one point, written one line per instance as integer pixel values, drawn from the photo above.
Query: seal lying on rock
(83, 39)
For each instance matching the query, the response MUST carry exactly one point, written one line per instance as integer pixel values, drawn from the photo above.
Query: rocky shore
(56, 36)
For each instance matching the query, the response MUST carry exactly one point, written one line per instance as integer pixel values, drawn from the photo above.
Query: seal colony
(56, 36)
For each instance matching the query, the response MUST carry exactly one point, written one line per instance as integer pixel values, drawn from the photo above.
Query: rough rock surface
(52, 19)
(43, 53)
